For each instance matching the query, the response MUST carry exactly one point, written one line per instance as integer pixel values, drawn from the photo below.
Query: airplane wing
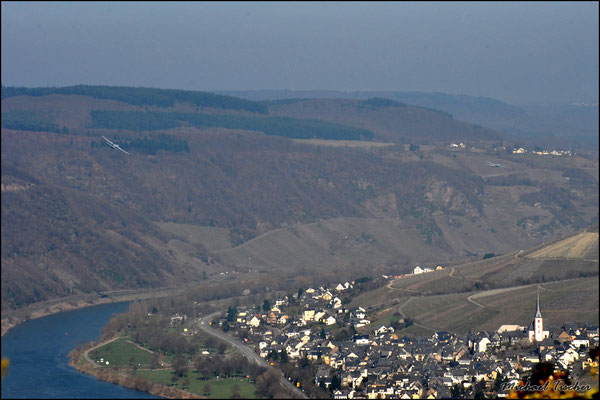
(119, 147)
(114, 145)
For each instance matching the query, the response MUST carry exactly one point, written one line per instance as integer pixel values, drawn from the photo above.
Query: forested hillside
(389, 120)
(203, 192)
(278, 126)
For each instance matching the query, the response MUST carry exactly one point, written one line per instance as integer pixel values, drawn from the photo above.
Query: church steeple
(536, 328)
(538, 313)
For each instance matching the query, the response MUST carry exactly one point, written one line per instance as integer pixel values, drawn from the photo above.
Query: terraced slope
(501, 290)
(583, 246)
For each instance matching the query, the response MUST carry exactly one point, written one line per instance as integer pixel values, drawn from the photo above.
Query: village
(316, 327)
(516, 150)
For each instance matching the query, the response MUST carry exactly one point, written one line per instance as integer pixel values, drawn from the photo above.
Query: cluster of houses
(521, 150)
(384, 364)
(418, 270)
(320, 305)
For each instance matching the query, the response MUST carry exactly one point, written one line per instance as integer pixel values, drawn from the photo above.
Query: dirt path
(86, 354)
(470, 299)
(389, 286)
(401, 306)
(140, 347)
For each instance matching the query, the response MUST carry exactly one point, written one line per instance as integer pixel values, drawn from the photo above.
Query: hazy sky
(514, 51)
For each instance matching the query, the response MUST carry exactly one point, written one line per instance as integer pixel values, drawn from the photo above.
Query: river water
(38, 349)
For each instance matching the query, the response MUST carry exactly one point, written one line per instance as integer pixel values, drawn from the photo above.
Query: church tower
(536, 327)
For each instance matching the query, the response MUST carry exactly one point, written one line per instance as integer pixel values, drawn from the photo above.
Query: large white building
(536, 327)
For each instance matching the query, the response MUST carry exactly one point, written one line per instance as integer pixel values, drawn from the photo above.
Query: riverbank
(12, 318)
(79, 361)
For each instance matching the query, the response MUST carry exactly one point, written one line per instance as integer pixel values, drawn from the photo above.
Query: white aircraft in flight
(491, 164)
(114, 145)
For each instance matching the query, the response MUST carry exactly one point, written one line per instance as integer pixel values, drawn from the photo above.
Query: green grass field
(220, 388)
(119, 352)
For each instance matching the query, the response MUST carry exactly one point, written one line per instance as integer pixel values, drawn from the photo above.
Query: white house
(276, 309)
(360, 313)
(417, 270)
(281, 301)
(580, 340)
(383, 330)
(361, 340)
(308, 315)
(337, 303)
(255, 322)
(330, 320)
(510, 328)
(241, 317)
(482, 345)
(319, 315)
(568, 357)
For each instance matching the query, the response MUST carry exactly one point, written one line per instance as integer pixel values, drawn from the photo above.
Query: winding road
(203, 324)
(400, 307)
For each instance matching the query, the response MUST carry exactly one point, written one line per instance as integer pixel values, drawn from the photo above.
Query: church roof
(538, 313)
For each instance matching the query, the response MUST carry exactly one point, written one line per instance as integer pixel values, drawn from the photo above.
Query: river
(37, 350)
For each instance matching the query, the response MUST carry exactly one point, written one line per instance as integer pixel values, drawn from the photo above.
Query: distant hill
(392, 122)
(462, 107)
(195, 200)
(559, 125)
(141, 96)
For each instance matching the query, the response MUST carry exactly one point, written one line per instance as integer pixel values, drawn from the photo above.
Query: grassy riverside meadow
(221, 388)
(136, 361)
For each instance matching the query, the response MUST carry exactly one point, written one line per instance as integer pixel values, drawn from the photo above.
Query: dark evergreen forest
(143, 96)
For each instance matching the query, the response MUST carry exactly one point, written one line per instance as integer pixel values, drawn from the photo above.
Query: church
(536, 327)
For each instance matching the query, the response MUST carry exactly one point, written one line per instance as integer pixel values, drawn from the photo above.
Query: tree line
(277, 126)
(140, 96)
(25, 120)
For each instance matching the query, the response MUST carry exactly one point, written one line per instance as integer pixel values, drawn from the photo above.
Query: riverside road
(203, 323)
